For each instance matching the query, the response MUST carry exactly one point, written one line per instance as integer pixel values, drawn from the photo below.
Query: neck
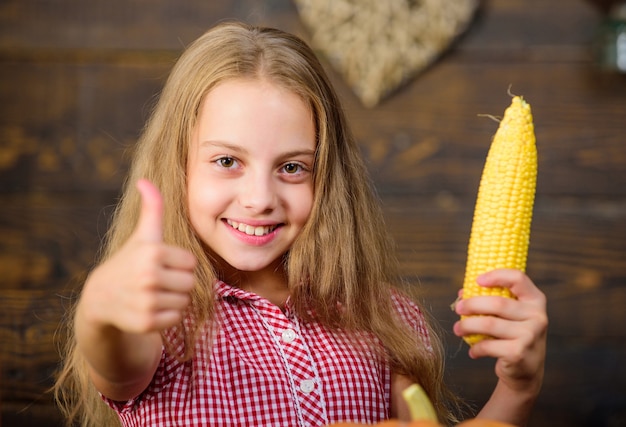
(270, 284)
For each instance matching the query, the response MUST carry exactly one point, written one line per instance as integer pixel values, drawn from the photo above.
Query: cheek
(302, 206)
(204, 204)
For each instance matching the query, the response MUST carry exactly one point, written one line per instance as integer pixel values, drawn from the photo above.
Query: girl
(250, 281)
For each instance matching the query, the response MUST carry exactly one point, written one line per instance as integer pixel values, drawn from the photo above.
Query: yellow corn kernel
(501, 225)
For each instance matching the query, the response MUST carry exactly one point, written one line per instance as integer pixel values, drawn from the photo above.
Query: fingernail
(454, 304)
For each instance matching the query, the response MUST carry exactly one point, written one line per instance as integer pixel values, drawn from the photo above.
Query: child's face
(250, 188)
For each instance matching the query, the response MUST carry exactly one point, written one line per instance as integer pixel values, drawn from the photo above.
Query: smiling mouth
(251, 230)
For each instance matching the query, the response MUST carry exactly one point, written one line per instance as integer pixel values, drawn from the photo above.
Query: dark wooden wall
(76, 82)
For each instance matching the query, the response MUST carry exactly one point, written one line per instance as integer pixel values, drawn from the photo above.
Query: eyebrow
(239, 149)
(222, 144)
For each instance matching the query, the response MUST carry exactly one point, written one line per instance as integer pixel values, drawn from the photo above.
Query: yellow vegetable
(501, 226)
(423, 414)
(419, 404)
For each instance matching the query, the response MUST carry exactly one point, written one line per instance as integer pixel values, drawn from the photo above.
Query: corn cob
(501, 226)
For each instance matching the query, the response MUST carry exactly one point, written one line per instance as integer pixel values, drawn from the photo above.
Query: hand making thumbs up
(145, 286)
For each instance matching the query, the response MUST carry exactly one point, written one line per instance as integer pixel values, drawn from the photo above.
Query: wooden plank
(119, 24)
(517, 25)
(47, 241)
(29, 354)
(67, 127)
(571, 395)
(37, 414)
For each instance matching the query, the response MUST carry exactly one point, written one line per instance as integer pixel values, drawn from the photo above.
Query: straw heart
(377, 46)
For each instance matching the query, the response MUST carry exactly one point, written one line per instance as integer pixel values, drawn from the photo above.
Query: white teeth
(251, 230)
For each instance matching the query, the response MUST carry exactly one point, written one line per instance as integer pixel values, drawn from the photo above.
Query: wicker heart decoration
(377, 45)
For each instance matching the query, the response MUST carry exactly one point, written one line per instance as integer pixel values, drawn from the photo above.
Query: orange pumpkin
(474, 422)
(479, 422)
(397, 423)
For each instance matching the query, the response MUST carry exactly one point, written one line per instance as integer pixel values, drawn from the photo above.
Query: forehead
(246, 111)
(237, 93)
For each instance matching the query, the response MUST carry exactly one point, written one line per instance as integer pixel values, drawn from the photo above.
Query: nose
(258, 193)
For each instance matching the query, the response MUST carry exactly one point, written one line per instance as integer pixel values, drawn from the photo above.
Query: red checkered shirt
(265, 368)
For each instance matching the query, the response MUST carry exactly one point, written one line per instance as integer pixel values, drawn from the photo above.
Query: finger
(513, 348)
(519, 283)
(487, 325)
(156, 321)
(150, 226)
(172, 301)
(167, 318)
(145, 311)
(177, 281)
(179, 259)
(495, 348)
(506, 308)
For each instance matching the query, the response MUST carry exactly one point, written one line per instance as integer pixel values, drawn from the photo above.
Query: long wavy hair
(342, 267)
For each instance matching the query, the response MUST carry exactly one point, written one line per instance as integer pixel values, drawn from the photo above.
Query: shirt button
(307, 386)
(288, 335)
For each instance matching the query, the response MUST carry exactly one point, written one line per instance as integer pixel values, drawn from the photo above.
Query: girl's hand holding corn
(518, 328)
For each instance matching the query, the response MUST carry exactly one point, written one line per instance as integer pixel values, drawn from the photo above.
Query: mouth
(252, 230)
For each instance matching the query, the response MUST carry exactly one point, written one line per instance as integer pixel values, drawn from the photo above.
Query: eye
(292, 168)
(226, 162)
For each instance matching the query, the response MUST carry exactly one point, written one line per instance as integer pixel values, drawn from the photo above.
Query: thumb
(150, 225)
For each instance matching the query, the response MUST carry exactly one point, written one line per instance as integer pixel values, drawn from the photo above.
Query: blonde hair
(341, 267)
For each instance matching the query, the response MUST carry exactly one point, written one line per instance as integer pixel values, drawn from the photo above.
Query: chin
(250, 268)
